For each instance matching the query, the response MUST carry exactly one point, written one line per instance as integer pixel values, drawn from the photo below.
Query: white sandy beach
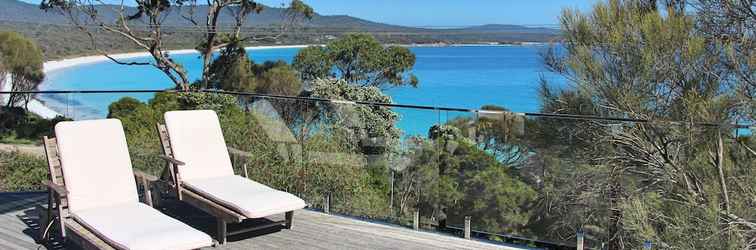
(51, 66)
(35, 106)
(39, 108)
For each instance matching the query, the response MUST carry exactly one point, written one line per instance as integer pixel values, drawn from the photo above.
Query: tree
(360, 59)
(497, 132)
(23, 60)
(312, 62)
(450, 177)
(90, 18)
(279, 79)
(234, 71)
(731, 25)
(3, 71)
(231, 70)
(660, 181)
(239, 9)
(364, 123)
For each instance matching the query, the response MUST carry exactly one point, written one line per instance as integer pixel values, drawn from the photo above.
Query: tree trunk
(211, 24)
(720, 160)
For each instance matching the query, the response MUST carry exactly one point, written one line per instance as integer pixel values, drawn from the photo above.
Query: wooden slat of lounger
(211, 207)
(53, 160)
(85, 238)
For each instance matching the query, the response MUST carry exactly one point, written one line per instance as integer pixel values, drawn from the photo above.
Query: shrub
(19, 126)
(21, 171)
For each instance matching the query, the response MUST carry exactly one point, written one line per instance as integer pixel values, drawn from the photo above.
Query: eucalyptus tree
(22, 62)
(359, 59)
(145, 26)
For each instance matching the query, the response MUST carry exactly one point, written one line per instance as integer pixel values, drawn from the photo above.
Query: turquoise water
(461, 77)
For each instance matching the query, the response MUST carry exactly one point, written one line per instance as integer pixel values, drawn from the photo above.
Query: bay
(455, 76)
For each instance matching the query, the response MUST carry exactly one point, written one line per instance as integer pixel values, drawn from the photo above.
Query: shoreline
(56, 65)
(35, 106)
(40, 108)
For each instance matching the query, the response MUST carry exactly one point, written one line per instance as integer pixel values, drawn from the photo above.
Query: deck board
(312, 230)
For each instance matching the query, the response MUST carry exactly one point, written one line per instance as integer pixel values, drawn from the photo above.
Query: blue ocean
(457, 76)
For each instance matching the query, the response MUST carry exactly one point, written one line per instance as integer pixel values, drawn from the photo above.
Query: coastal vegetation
(21, 67)
(360, 59)
(21, 171)
(671, 170)
(678, 185)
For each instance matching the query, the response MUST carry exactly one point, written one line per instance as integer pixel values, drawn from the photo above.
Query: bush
(21, 172)
(19, 126)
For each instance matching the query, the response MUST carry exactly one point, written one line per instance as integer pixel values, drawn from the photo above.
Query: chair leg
(61, 221)
(44, 219)
(289, 219)
(221, 231)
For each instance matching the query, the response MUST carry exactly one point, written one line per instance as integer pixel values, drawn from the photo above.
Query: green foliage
(123, 107)
(18, 125)
(22, 59)
(277, 78)
(496, 199)
(312, 62)
(454, 178)
(231, 70)
(302, 8)
(359, 59)
(21, 172)
(625, 183)
(360, 121)
(217, 102)
(21, 56)
(234, 71)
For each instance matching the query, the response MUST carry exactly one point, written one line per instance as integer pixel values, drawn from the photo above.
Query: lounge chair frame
(223, 214)
(57, 211)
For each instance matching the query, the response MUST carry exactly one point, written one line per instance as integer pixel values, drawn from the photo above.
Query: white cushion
(138, 226)
(245, 196)
(197, 140)
(96, 163)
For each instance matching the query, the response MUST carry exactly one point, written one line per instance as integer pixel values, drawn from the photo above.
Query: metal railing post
(416, 220)
(467, 227)
(327, 203)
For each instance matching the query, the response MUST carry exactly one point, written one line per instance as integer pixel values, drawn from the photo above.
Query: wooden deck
(312, 230)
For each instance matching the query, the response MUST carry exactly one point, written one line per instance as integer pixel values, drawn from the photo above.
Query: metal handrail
(393, 105)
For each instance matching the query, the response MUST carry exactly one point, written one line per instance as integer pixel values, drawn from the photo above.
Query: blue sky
(449, 13)
(442, 12)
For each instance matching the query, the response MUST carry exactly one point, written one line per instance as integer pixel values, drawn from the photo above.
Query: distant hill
(17, 11)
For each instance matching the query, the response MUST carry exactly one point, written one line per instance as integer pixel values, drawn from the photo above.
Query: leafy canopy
(234, 71)
(22, 60)
(360, 59)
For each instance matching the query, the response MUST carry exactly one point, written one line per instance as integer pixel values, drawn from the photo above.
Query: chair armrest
(146, 181)
(144, 176)
(172, 160)
(58, 189)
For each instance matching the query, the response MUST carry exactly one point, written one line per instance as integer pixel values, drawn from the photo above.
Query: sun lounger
(201, 174)
(94, 196)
